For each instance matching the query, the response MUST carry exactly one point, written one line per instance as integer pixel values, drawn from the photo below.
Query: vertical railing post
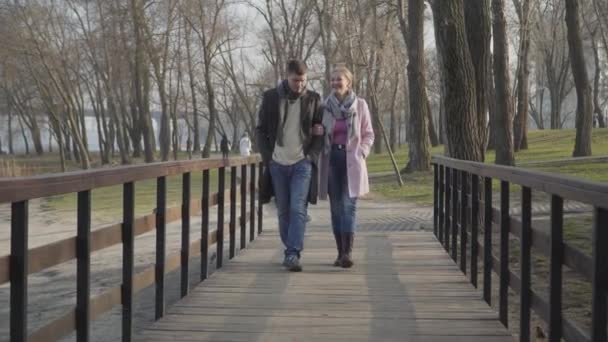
(474, 227)
(448, 217)
(599, 282)
(260, 206)
(525, 259)
(503, 291)
(185, 253)
(455, 213)
(18, 270)
(435, 198)
(487, 241)
(232, 246)
(128, 239)
(243, 220)
(161, 207)
(252, 201)
(83, 266)
(220, 217)
(205, 226)
(441, 202)
(555, 269)
(464, 204)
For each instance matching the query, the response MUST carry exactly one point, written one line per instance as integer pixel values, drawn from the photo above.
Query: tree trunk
(432, 132)
(212, 110)
(35, 133)
(419, 154)
(464, 137)
(24, 136)
(584, 119)
(597, 109)
(491, 107)
(142, 82)
(520, 124)
(503, 133)
(11, 150)
(393, 125)
(478, 28)
(197, 127)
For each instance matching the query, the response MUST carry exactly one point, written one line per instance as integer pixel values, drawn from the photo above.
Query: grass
(543, 146)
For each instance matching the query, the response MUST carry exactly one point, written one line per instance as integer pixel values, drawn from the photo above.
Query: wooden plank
(128, 260)
(599, 307)
(5, 269)
(56, 329)
(391, 294)
(525, 264)
(22, 188)
(83, 266)
(18, 269)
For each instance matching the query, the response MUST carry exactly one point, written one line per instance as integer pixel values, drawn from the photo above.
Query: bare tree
(520, 123)
(464, 137)
(503, 133)
(584, 119)
(478, 28)
(418, 135)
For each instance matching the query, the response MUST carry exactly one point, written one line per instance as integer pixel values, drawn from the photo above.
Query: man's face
(297, 83)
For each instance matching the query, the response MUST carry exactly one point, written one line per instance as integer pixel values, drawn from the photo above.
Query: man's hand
(318, 129)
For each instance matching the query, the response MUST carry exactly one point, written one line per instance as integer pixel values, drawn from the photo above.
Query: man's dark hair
(295, 66)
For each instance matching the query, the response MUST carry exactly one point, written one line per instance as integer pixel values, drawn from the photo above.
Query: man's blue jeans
(343, 207)
(291, 184)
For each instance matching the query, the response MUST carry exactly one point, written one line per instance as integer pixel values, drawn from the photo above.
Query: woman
(343, 171)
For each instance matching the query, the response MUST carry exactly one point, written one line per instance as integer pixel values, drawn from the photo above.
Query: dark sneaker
(292, 263)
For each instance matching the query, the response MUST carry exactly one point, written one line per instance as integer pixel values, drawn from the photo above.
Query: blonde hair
(344, 71)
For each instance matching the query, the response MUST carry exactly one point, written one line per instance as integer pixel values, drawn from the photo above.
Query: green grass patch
(544, 145)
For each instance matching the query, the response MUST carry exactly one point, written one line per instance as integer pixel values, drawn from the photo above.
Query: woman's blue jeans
(343, 207)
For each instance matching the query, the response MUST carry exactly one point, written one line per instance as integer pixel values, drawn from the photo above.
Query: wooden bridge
(409, 284)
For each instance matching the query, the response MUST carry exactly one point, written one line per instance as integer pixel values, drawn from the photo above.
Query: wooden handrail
(572, 188)
(26, 188)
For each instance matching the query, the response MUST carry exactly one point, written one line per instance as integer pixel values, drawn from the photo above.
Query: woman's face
(340, 84)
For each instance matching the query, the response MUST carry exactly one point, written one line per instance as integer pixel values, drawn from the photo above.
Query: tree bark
(142, 82)
(584, 119)
(191, 77)
(520, 124)
(464, 137)
(419, 154)
(478, 28)
(597, 108)
(503, 133)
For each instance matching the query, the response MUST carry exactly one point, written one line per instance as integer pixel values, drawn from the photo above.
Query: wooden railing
(457, 205)
(22, 261)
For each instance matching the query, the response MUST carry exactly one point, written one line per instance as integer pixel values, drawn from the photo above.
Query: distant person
(343, 170)
(290, 136)
(245, 145)
(224, 146)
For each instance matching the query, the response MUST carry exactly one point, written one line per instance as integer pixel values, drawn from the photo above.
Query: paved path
(404, 287)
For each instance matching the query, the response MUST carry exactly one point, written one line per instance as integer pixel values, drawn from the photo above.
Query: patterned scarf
(336, 110)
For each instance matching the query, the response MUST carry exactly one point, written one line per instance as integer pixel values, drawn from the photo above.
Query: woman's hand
(318, 129)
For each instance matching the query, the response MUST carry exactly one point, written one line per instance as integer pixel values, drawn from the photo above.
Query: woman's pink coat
(357, 149)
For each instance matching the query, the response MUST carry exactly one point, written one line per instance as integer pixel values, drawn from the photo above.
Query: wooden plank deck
(404, 287)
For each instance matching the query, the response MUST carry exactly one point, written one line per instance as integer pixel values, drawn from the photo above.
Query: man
(224, 147)
(290, 137)
(245, 145)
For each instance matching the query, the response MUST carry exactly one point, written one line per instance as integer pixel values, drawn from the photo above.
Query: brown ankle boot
(347, 249)
(338, 238)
